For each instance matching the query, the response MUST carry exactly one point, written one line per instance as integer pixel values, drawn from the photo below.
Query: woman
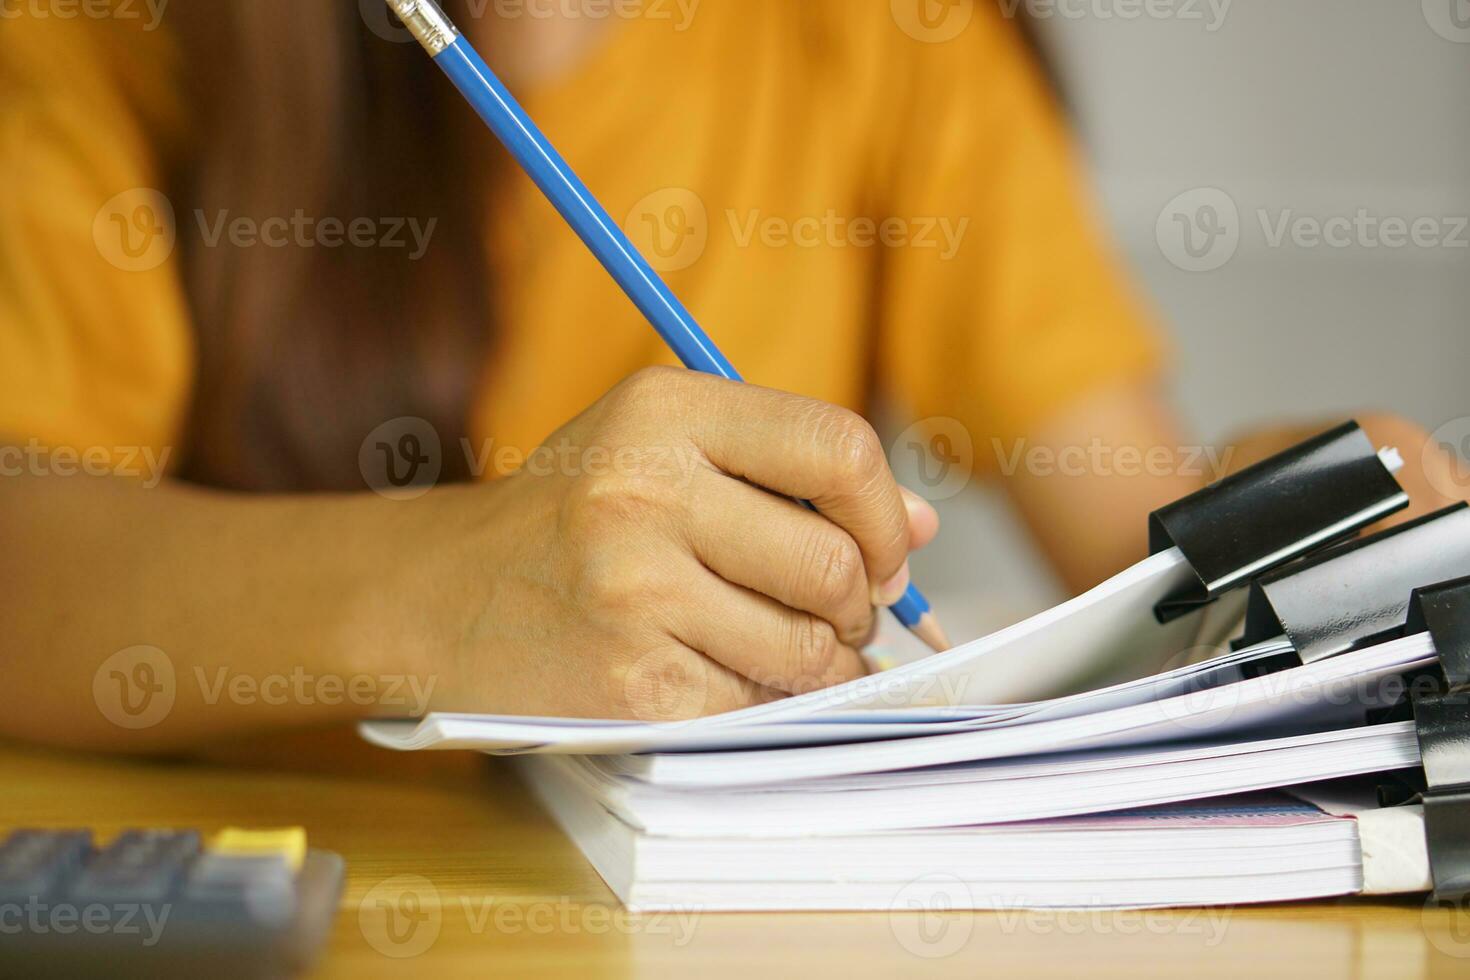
(852, 201)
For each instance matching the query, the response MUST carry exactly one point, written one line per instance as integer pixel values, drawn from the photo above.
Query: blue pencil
(601, 234)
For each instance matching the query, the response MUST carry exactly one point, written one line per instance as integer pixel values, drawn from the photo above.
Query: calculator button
(33, 863)
(140, 865)
(262, 888)
(289, 842)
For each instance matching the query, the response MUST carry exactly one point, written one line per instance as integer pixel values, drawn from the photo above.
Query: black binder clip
(1442, 722)
(1357, 593)
(1306, 498)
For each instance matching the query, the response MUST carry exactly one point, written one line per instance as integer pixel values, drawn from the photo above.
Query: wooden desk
(516, 899)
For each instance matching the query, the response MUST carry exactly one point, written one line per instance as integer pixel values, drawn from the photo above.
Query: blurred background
(1297, 113)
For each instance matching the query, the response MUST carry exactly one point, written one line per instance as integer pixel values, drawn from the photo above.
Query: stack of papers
(911, 786)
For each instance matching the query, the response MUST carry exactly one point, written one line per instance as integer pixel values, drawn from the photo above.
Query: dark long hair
(301, 107)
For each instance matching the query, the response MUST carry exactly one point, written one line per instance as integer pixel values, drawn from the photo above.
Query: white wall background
(1316, 107)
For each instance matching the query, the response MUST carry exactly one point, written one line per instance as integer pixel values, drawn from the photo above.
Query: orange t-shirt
(843, 195)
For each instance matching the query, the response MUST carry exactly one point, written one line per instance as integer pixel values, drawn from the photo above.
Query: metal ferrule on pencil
(427, 23)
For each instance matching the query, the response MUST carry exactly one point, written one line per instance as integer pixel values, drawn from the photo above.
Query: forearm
(260, 612)
(1102, 467)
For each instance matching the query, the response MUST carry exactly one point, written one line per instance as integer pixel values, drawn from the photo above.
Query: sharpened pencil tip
(929, 630)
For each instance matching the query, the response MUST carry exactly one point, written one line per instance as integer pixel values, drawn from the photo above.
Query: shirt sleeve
(95, 350)
(1005, 305)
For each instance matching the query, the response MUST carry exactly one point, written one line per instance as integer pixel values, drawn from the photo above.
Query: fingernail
(891, 591)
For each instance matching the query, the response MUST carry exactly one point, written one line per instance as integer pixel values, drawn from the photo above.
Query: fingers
(676, 683)
(813, 451)
(776, 547)
(759, 638)
(1430, 470)
(923, 519)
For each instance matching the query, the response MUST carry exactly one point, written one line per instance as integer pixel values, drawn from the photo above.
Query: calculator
(164, 903)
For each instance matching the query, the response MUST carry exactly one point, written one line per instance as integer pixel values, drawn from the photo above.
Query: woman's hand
(1062, 509)
(649, 562)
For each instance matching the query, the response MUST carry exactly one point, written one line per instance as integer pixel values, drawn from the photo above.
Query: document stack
(1319, 750)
